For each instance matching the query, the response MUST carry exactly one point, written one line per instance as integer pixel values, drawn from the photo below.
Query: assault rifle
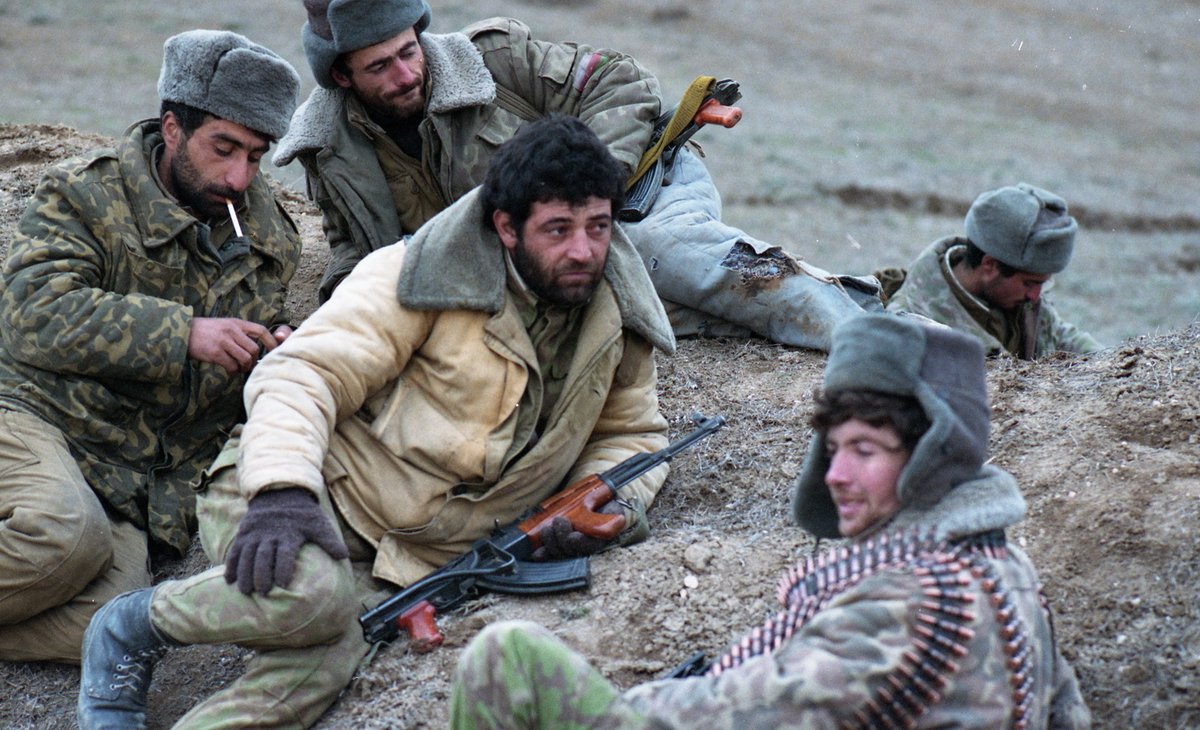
(694, 666)
(716, 107)
(500, 562)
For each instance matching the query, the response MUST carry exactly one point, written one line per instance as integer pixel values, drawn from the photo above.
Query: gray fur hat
(227, 76)
(1024, 226)
(341, 26)
(943, 370)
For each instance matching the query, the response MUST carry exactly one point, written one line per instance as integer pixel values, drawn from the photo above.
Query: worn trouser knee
(55, 537)
(735, 283)
(516, 674)
(315, 608)
(57, 557)
(306, 638)
(204, 609)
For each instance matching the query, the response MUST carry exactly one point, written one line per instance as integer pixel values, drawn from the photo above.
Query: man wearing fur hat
(927, 617)
(405, 122)
(990, 283)
(130, 311)
(448, 385)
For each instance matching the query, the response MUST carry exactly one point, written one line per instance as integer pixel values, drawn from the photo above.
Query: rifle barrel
(634, 467)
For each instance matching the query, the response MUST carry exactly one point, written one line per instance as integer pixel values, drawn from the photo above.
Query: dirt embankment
(1105, 447)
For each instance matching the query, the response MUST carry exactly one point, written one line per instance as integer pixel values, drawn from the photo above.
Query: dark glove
(275, 527)
(561, 540)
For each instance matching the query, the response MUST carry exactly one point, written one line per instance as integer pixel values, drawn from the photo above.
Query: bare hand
(282, 332)
(233, 344)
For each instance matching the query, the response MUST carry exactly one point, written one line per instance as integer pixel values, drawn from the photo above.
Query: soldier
(448, 384)
(405, 121)
(989, 284)
(132, 307)
(928, 617)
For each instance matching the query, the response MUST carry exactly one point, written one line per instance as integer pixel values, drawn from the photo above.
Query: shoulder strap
(679, 121)
(510, 101)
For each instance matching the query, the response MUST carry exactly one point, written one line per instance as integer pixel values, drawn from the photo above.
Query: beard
(544, 279)
(204, 200)
(398, 108)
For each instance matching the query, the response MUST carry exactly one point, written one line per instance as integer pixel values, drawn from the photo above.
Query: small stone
(696, 558)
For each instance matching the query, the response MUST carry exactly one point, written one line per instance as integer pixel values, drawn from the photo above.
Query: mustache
(237, 198)
(403, 92)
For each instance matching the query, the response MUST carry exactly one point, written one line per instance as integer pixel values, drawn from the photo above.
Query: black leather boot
(120, 648)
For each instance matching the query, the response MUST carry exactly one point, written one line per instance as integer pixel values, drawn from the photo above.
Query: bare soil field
(869, 128)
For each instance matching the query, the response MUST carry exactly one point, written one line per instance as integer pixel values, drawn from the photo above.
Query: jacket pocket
(152, 277)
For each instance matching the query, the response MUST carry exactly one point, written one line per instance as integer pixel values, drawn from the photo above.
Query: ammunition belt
(941, 636)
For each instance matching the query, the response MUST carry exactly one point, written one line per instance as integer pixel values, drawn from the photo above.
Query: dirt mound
(1105, 447)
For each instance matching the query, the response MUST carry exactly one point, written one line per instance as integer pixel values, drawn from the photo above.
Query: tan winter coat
(399, 395)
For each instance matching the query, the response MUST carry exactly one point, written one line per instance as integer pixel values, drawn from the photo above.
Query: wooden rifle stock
(579, 503)
(500, 562)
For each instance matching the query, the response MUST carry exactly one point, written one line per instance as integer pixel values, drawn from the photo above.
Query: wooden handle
(713, 112)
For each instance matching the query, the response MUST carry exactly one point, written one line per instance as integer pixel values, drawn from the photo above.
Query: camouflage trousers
(716, 280)
(516, 674)
(61, 555)
(306, 638)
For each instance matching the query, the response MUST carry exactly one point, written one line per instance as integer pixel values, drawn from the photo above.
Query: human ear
(339, 78)
(504, 228)
(172, 131)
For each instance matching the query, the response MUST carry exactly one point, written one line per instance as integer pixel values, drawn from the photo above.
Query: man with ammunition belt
(929, 617)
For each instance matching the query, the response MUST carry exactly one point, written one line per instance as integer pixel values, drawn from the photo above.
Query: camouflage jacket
(101, 283)
(930, 289)
(483, 84)
(930, 621)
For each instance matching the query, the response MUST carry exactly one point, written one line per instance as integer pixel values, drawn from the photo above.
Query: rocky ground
(869, 128)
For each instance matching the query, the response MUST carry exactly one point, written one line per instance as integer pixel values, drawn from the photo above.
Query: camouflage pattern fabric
(930, 290)
(516, 674)
(865, 653)
(306, 638)
(99, 289)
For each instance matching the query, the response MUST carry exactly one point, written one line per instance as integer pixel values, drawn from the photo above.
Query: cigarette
(237, 227)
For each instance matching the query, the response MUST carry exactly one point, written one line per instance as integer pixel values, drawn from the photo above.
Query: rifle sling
(508, 99)
(684, 113)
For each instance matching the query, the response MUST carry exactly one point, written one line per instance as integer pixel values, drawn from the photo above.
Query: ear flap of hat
(943, 370)
(321, 56)
(952, 390)
(812, 507)
(1010, 225)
